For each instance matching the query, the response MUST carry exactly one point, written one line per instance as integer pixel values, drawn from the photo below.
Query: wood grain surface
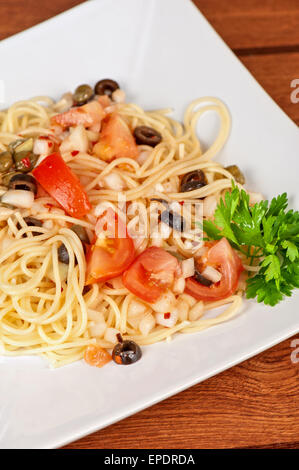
(254, 404)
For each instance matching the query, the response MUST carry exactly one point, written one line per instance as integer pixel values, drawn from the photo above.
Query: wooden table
(254, 404)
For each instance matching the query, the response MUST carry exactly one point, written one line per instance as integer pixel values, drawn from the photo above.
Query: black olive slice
(193, 180)
(126, 352)
(106, 87)
(147, 136)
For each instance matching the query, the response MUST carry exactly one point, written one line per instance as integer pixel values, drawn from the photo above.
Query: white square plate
(164, 53)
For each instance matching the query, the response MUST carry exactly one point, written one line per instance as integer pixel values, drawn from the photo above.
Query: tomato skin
(151, 274)
(110, 258)
(62, 184)
(96, 356)
(116, 140)
(229, 264)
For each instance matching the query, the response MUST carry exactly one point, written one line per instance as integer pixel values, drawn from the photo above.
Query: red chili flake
(119, 338)
(95, 142)
(75, 152)
(50, 144)
(49, 206)
(44, 137)
(26, 162)
(167, 315)
(182, 203)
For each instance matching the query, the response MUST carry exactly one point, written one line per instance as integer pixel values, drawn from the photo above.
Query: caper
(83, 94)
(25, 182)
(24, 146)
(193, 180)
(145, 135)
(126, 352)
(237, 173)
(25, 161)
(106, 87)
(6, 161)
(81, 233)
(15, 144)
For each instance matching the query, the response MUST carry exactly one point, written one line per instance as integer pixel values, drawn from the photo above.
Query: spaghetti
(45, 309)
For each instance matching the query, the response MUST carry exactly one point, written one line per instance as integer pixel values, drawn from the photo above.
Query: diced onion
(147, 324)
(113, 181)
(136, 308)
(143, 156)
(119, 96)
(209, 206)
(212, 274)
(165, 303)
(18, 198)
(41, 147)
(169, 321)
(95, 315)
(196, 311)
(97, 329)
(179, 285)
(111, 335)
(116, 283)
(183, 309)
(77, 140)
(188, 268)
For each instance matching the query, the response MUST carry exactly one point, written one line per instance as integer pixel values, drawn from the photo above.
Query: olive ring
(106, 87)
(147, 136)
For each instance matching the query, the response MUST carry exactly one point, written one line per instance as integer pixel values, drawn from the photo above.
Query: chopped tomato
(116, 140)
(96, 356)
(62, 184)
(111, 254)
(90, 115)
(223, 257)
(151, 274)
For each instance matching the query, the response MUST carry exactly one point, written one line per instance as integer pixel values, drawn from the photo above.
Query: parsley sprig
(266, 231)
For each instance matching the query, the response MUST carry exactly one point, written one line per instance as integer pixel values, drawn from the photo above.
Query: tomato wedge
(223, 257)
(109, 256)
(96, 356)
(62, 184)
(116, 140)
(151, 274)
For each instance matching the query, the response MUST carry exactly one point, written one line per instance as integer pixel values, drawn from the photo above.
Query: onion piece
(113, 181)
(136, 308)
(179, 285)
(41, 147)
(196, 311)
(18, 198)
(188, 267)
(77, 140)
(147, 324)
(111, 335)
(167, 319)
(212, 274)
(143, 156)
(165, 303)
